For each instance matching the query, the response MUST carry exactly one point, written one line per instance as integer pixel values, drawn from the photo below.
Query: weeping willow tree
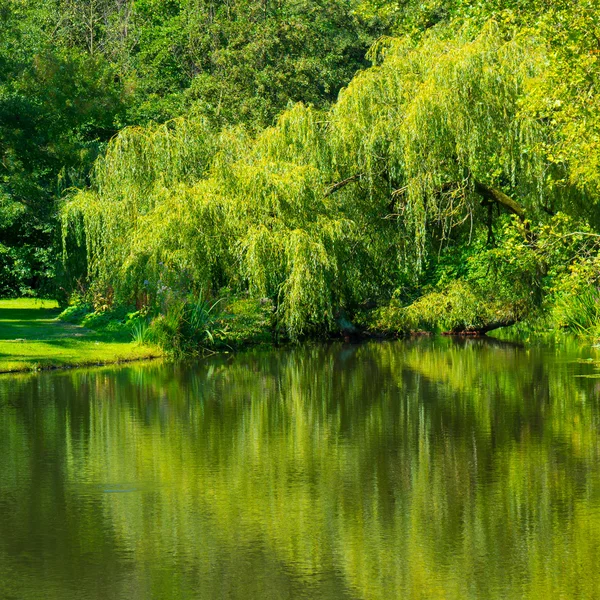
(438, 128)
(178, 207)
(325, 211)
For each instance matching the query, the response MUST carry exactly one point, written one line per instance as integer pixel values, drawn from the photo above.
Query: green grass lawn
(32, 338)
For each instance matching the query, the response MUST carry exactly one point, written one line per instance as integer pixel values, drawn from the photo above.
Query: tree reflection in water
(418, 469)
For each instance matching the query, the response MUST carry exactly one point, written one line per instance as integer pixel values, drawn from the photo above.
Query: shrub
(75, 313)
(576, 298)
(457, 308)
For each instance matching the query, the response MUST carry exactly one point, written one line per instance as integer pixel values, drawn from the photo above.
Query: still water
(420, 469)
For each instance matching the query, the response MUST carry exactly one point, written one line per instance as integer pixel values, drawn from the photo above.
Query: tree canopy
(327, 156)
(73, 73)
(333, 208)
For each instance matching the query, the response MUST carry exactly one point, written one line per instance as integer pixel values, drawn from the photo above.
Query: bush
(75, 313)
(186, 327)
(576, 298)
(195, 326)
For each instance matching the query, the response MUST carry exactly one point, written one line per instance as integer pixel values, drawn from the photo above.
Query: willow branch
(491, 194)
(341, 184)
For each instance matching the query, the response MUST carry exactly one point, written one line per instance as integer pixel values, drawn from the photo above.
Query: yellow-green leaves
(326, 210)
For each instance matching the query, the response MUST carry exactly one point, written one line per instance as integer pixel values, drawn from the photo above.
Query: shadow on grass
(28, 314)
(89, 340)
(29, 323)
(36, 330)
(52, 331)
(32, 338)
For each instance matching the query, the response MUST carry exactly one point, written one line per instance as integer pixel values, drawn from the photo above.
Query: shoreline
(33, 340)
(84, 365)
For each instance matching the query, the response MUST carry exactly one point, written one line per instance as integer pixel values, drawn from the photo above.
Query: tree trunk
(491, 194)
(475, 331)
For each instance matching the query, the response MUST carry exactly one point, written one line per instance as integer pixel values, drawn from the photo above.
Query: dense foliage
(453, 184)
(74, 72)
(415, 169)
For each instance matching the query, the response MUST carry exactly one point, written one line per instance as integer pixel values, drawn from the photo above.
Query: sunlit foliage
(177, 207)
(328, 210)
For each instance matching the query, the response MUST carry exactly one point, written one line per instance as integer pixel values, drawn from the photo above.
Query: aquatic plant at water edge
(140, 331)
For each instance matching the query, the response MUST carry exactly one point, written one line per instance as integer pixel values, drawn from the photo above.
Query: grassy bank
(35, 335)
(32, 338)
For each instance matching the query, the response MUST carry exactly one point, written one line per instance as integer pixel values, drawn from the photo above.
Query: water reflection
(421, 469)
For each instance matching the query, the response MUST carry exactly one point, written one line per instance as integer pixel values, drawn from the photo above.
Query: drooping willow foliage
(433, 119)
(177, 206)
(324, 211)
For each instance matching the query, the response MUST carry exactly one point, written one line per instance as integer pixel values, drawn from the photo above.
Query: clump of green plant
(186, 326)
(75, 313)
(140, 331)
(114, 319)
(192, 326)
(576, 298)
(202, 319)
(580, 312)
(165, 330)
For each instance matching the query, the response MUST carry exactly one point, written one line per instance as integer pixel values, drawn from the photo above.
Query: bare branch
(341, 184)
(491, 194)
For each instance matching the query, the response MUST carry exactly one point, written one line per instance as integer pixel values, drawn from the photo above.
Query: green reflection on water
(421, 469)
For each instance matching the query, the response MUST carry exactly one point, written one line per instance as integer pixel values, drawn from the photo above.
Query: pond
(428, 468)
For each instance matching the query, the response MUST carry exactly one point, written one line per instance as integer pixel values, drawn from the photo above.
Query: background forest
(397, 165)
